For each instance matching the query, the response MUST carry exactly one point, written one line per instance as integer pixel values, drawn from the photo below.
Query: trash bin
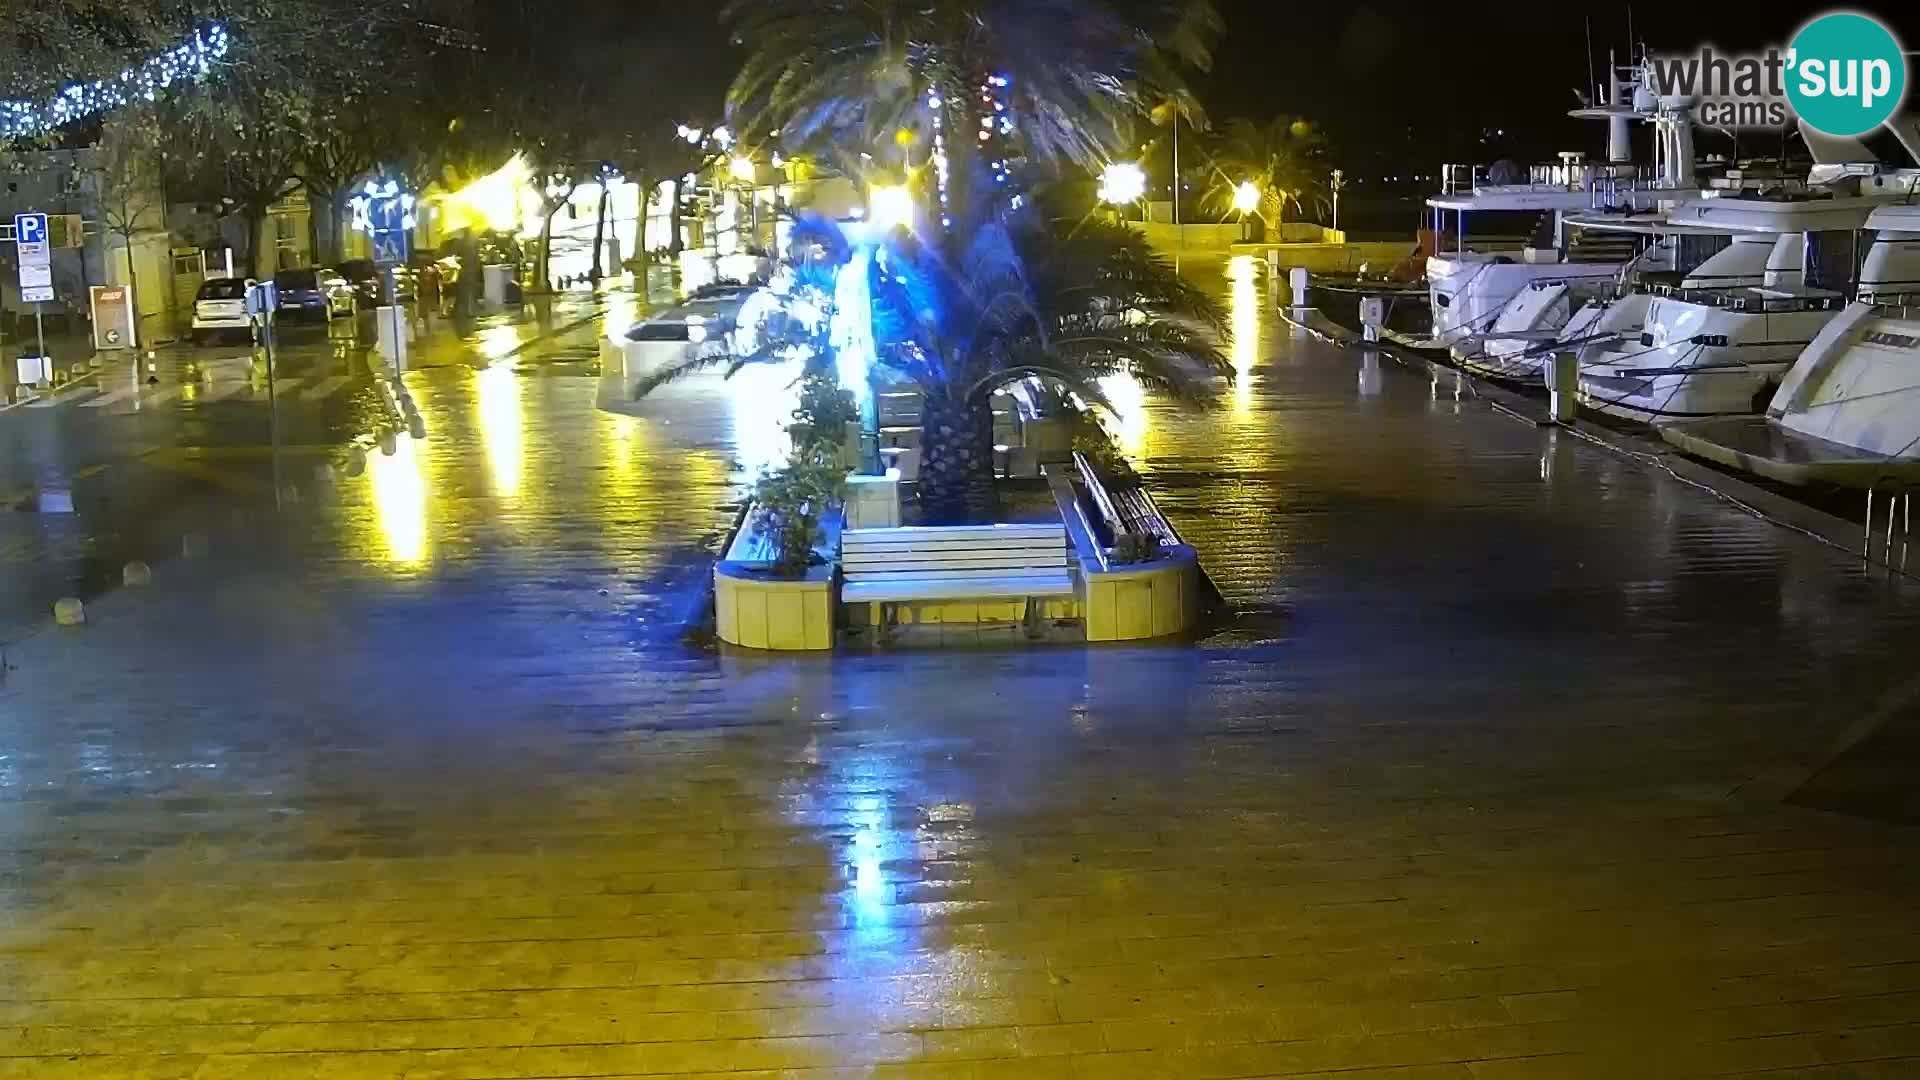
(497, 284)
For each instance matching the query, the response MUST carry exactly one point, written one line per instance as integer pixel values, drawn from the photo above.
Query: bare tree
(126, 174)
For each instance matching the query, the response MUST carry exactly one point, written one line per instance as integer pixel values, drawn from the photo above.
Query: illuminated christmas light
(190, 61)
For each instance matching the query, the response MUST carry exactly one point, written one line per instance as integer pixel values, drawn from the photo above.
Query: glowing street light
(1122, 182)
(743, 169)
(1246, 197)
(890, 206)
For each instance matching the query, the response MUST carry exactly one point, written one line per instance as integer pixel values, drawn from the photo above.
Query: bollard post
(1297, 287)
(1563, 388)
(1373, 315)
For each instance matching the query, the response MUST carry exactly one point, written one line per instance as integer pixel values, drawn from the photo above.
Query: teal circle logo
(1846, 74)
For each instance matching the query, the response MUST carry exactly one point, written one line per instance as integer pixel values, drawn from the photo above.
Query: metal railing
(1743, 300)
(1463, 179)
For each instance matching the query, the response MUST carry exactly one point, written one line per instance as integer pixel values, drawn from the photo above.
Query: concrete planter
(1137, 601)
(873, 502)
(758, 611)
(755, 609)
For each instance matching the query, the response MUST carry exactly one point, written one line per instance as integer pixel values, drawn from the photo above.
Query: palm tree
(1036, 296)
(1033, 295)
(1284, 160)
(993, 295)
(1068, 76)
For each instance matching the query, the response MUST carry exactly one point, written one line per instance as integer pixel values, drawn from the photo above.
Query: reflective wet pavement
(412, 775)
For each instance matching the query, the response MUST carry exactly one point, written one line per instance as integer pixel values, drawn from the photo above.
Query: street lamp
(890, 206)
(1121, 183)
(1338, 176)
(1246, 197)
(743, 170)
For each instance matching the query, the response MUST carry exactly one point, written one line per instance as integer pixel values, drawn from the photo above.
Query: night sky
(1411, 85)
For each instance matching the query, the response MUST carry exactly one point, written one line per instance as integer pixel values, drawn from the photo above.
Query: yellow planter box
(1147, 600)
(761, 612)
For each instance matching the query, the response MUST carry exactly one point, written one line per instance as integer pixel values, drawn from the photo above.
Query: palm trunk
(956, 463)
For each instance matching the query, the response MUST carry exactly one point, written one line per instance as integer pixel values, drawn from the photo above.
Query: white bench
(886, 566)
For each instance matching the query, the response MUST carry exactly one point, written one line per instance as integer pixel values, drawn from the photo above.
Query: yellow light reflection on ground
(1128, 413)
(1244, 310)
(498, 342)
(400, 501)
(502, 427)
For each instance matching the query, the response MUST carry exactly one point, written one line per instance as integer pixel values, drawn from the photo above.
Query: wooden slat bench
(961, 562)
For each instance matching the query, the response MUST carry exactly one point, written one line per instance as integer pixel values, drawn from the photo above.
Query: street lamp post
(1122, 183)
(1337, 177)
(1179, 236)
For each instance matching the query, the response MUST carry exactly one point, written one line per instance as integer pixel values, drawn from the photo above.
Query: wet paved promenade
(1492, 774)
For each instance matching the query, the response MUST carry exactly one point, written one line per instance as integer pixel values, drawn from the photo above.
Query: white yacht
(1595, 318)
(1848, 410)
(1718, 348)
(1471, 286)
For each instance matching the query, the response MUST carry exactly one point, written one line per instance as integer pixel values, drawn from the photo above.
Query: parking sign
(36, 259)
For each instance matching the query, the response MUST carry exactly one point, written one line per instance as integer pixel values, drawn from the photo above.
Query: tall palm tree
(1075, 72)
(1032, 295)
(1069, 302)
(992, 295)
(1285, 159)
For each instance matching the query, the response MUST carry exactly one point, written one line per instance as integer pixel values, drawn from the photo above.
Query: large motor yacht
(1848, 409)
(1722, 348)
(1484, 273)
(1593, 318)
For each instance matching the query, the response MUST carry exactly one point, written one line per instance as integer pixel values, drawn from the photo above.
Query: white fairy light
(191, 60)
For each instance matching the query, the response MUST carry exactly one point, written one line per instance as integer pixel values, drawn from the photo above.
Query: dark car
(314, 290)
(364, 275)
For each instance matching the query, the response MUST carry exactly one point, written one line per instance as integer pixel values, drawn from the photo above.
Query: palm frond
(714, 355)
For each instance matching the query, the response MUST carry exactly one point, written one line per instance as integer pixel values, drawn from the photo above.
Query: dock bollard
(69, 611)
(136, 574)
(1373, 315)
(1563, 387)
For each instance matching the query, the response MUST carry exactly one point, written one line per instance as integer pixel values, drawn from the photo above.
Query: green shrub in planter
(789, 501)
(1129, 548)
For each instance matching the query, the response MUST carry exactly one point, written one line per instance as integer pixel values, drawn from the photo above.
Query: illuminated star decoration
(380, 204)
(191, 60)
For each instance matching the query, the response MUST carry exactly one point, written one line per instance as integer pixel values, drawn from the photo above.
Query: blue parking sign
(390, 247)
(30, 228)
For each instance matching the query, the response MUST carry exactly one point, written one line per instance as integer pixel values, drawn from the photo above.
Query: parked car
(364, 275)
(222, 306)
(315, 290)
